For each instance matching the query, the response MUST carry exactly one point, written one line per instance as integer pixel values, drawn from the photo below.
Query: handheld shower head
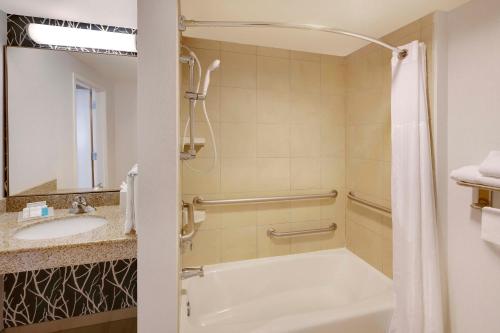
(213, 66)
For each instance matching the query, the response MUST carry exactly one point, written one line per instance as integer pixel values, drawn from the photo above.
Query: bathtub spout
(189, 272)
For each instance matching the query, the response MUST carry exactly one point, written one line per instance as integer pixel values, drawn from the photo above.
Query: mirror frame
(17, 36)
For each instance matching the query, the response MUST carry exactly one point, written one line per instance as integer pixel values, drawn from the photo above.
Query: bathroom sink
(63, 227)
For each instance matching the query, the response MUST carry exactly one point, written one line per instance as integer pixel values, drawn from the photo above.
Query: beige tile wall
(291, 122)
(369, 233)
(279, 122)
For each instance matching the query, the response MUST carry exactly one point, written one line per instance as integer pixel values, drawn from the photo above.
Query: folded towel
(131, 201)
(491, 165)
(471, 174)
(123, 198)
(490, 225)
(468, 174)
(136, 201)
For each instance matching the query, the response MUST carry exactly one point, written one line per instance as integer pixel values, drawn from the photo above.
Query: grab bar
(200, 201)
(276, 234)
(373, 205)
(187, 236)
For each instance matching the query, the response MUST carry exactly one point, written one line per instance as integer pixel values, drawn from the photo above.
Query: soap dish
(198, 144)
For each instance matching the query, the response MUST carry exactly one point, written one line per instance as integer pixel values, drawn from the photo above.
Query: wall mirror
(70, 121)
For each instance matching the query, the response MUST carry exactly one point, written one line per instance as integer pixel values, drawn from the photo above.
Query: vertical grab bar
(186, 237)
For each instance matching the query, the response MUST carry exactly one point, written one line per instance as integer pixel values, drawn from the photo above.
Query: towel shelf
(479, 186)
(370, 204)
(202, 202)
(276, 234)
(484, 194)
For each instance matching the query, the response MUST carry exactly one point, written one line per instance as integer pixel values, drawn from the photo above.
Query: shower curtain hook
(182, 26)
(402, 54)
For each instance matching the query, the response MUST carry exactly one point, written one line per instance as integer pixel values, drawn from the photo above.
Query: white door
(83, 110)
(99, 125)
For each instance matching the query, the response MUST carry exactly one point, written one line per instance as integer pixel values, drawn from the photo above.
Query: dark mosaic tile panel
(51, 294)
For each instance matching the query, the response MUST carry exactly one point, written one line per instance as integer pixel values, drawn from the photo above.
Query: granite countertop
(105, 243)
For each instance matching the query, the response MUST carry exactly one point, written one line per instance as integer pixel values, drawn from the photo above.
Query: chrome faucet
(98, 187)
(80, 206)
(189, 272)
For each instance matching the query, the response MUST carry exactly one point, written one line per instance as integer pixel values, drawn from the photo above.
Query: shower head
(213, 66)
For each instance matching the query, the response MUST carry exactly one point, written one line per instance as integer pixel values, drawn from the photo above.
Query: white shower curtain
(416, 257)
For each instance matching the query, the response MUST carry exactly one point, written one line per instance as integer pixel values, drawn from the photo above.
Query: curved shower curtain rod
(185, 23)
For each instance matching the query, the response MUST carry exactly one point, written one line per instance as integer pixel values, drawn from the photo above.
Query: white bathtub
(322, 292)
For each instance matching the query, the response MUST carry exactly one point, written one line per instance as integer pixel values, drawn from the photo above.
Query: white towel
(468, 174)
(491, 165)
(490, 225)
(136, 202)
(131, 205)
(471, 174)
(123, 197)
(123, 187)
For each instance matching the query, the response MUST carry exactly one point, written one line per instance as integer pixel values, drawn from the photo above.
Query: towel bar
(484, 194)
(277, 234)
(479, 186)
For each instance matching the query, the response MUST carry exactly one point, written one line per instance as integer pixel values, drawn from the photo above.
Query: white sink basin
(60, 228)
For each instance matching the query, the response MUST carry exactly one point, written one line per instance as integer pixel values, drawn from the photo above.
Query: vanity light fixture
(84, 38)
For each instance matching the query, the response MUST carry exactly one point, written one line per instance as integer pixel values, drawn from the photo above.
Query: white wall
(48, 78)
(159, 200)
(439, 122)
(3, 41)
(41, 119)
(473, 130)
(125, 114)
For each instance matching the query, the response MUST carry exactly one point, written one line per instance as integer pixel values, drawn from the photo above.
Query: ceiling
(122, 13)
(375, 18)
(112, 67)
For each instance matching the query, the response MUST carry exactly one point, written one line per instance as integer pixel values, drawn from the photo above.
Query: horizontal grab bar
(276, 234)
(201, 201)
(373, 205)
